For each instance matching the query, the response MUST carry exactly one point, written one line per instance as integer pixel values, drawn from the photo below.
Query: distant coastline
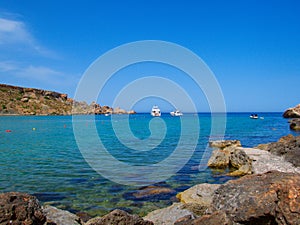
(21, 101)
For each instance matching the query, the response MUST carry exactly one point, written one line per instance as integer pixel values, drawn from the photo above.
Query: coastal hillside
(16, 100)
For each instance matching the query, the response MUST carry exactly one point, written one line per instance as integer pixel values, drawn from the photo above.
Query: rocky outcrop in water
(295, 124)
(292, 112)
(228, 154)
(31, 101)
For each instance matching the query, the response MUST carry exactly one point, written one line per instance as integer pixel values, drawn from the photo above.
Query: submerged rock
(20, 208)
(270, 198)
(150, 193)
(118, 217)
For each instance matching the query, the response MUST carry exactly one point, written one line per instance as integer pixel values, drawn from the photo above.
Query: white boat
(176, 113)
(254, 116)
(155, 111)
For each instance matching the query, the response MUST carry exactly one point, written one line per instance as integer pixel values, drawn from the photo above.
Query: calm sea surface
(40, 156)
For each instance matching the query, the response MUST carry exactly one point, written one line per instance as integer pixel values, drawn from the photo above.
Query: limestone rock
(288, 147)
(292, 112)
(58, 216)
(199, 194)
(118, 217)
(219, 159)
(264, 161)
(240, 160)
(168, 216)
(225, 143)
(20, 208)
(270, 198)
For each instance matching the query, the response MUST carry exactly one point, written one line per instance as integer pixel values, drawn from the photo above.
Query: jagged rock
(241, 161)
(168, 215)
(288, 147)
(60, 217)
(118, 217)
(20, 208)
(270, 198)
(228, 155)
(295, 124)
(219, 159)
(292, 112)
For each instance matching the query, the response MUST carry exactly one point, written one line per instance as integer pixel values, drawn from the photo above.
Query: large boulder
(198, 198)
(60, 217)
(270, 198)
(19, 209)
(292, 112)
(118, 217)
(168, 215)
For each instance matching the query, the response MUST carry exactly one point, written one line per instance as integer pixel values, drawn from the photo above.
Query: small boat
(176, 113)
(107, 114)
(254, 116)
(155, 111)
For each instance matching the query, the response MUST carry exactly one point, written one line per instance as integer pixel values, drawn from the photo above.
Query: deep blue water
(40, 156)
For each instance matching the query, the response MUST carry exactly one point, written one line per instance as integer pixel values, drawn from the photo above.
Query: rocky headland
(294, 114)
(267, 192)
(16, 100)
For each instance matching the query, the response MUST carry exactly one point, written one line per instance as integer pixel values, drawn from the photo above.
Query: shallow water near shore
(40, 156)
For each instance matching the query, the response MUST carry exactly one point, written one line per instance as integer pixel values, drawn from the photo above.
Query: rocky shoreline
(16, 100)
(267, 192)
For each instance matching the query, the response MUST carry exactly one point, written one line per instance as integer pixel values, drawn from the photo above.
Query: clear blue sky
(253, 47)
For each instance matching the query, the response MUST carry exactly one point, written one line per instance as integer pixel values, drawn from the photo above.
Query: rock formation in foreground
(288, 147)
(30, 101)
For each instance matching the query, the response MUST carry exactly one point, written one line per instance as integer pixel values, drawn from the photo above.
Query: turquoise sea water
(40, 156)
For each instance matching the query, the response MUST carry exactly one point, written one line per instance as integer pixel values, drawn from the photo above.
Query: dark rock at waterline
(150, 193)
(84, 216)
(118, 217)
(295, 124)
(292, 112)
(270, 198)
(287, 146)
(20, 208)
